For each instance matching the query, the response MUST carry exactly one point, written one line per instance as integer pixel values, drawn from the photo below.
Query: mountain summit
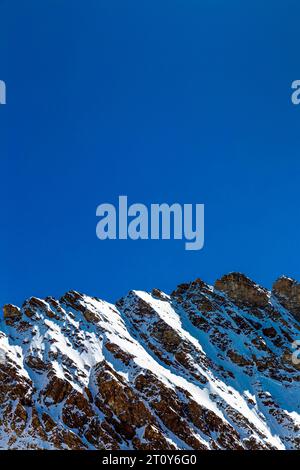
(203, 368)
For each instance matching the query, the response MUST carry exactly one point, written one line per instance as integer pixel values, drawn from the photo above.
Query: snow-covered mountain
(203, 368)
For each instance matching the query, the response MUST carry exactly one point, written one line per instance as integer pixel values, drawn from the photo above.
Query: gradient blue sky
(164, 101)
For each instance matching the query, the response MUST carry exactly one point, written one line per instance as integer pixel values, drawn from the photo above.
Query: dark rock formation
(241, 289)
(287, 291)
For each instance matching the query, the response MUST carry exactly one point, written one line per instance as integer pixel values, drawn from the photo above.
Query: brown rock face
(166, 336)
(76, 411)
(241, 289)
(11, 313)
(91, 317)
(287, 292)
(57, 389)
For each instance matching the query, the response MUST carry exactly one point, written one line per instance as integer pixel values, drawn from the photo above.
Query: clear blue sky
(164, 101)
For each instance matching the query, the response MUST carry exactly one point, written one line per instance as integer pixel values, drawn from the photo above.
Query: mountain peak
(202, 368)
(243, 290)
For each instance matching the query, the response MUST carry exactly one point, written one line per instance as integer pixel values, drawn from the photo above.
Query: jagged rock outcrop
(241, 289)
(287, 291)
(11, 313)
(203, 368)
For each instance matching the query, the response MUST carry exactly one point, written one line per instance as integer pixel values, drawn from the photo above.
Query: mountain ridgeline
(206, 367)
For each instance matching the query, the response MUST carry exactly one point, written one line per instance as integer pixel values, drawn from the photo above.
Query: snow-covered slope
(203, 368)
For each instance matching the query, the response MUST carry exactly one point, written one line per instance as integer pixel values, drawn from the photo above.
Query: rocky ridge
(207, 367)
